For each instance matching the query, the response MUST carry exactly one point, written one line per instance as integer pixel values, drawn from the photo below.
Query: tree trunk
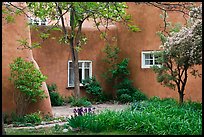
(74, 55)
(21, 102)
(181, 96)
(76, 77)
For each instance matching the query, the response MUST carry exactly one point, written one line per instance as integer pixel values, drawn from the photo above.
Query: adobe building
(54, 59)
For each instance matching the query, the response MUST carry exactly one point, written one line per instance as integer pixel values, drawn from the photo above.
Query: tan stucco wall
(53, 57)
(131, 45)
(11, 32)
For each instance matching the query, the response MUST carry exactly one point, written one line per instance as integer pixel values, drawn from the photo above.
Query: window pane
(86, 73)
(151, 62)
(71, 77)
(148, 56)
(148, 62)
(87, 64)
(80, 64)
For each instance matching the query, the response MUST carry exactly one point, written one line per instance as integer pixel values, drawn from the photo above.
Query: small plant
(33, 118)
(126, 92)
(78, 102)
(57, 127)
(56, 99)
(94, 89)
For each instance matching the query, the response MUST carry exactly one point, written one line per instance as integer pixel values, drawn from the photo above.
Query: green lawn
(52, 131)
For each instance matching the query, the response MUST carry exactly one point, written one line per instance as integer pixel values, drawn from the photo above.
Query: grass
(51, 131)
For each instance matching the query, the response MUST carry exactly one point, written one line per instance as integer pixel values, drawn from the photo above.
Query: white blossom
(188, 41)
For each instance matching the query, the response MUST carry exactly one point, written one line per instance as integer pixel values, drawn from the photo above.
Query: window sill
(81, 86)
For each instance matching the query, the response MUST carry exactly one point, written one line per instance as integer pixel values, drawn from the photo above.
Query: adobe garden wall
(11, 32)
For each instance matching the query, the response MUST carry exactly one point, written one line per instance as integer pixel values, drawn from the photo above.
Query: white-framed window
(38, 21)
(148, 59)
(85, 71)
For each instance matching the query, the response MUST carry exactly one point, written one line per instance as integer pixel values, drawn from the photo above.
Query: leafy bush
(125, 98)
(139, 96)
(28, 80)
(118, 74)
(78, 102)
(56, 99)
(52, 87)
(155, 116)
(93, 88)
(126, 92)
(33, 118)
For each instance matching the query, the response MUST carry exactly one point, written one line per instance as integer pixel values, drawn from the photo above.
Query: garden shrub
(117, 75)
(93, 88)
(78, 102)
(123, 98)
(139, 96)
(28, 82)
(126, 92)
(55, 98)
(33, 118)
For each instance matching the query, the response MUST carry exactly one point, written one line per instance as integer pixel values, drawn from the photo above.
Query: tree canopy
(182, 50)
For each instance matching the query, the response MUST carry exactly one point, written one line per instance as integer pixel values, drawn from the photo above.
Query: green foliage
(82, 10)
(139, 96)
(10, 19)
(134, 28)
(78, 102)
(117, 75)
(126, 92)
(111, 59)
(27, 79)
(123, 98)
(33, 118)
(121, 70)
(55, 98)
(92, 87)
(153, 117)
(44, 35)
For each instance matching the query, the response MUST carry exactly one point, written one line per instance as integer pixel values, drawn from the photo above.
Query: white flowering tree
(182, 50)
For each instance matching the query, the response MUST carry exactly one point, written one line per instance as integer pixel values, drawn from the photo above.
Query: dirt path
(68, 111)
